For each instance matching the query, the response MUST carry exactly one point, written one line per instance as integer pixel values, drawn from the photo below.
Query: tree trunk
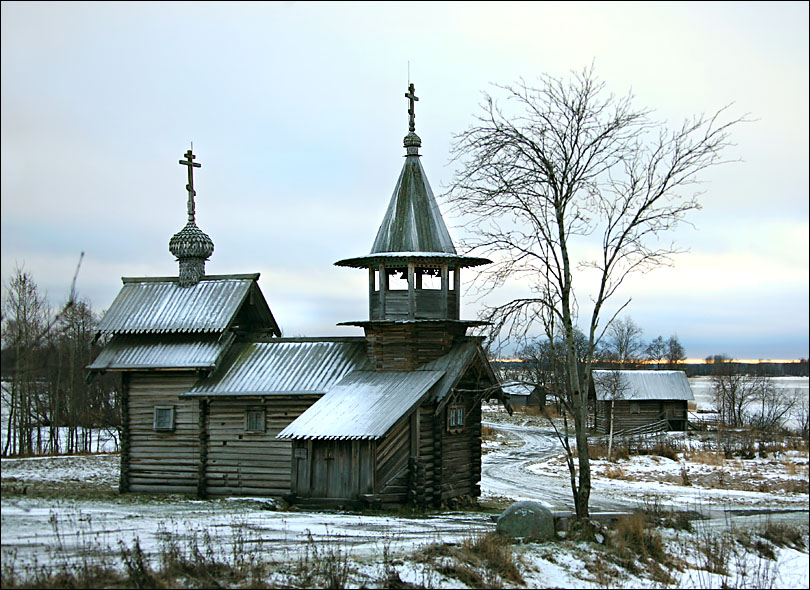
(610, 437)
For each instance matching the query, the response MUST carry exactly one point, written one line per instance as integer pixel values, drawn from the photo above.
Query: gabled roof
(162, 306)
(518, 389)
(156, 351)
(644, 385)
(363, 405)
(284, 366)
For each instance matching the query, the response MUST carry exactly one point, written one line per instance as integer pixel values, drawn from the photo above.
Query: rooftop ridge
(252, 276)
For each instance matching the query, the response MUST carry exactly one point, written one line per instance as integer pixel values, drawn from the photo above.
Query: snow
(56, 507)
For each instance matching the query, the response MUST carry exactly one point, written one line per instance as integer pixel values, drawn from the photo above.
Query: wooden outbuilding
(216, 402)
(640, 398)
(523, 395)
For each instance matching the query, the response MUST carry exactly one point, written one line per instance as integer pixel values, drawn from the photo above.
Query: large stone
(529, 521)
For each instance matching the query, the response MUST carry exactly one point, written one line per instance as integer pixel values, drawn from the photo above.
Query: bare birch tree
(572, 167)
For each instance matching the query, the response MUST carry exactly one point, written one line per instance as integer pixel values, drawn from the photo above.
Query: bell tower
(414, 285)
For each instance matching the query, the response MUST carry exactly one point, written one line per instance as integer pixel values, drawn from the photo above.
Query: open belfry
(216, 402)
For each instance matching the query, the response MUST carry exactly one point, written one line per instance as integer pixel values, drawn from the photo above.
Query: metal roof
(284, 366)
(161, 305)
(413, 222)
(454, 364)
(645, 385)
(363, 405)
(127, 352)
(392, 258)
(521, 389)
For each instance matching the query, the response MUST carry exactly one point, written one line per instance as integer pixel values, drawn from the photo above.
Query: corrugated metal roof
(645, 385)
(517, 389)
(454, 364)
(285, 366)
(161, 352)
(149, 306)
(363, 405)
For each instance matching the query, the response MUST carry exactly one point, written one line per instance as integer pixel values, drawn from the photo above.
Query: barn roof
(516, 388)
(161, 306)
(363, 405)
(126, 352)
(645, 385)
(284, 366)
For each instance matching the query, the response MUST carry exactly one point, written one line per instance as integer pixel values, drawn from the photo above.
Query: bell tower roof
(413, 226)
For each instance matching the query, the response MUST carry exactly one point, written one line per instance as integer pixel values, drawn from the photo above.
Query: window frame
(158, 410)
(455, 417)
(256, 410)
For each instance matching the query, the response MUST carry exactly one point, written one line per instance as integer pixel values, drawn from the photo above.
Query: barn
(216, 402)
(640, 398)
(523, 395)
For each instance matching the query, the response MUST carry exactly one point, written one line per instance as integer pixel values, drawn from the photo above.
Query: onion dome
(191, 246)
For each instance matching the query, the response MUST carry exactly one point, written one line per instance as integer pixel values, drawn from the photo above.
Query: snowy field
(57, 508)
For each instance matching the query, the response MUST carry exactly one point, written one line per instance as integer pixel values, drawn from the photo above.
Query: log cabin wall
(406, 346)
(461, 454)
(626, 416)
(249, 462)
(162, 461)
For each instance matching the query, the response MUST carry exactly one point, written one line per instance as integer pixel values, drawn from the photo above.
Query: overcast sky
(297, 114)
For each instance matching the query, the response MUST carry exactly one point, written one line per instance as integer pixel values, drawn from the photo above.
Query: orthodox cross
(411, 98)
(189, 161)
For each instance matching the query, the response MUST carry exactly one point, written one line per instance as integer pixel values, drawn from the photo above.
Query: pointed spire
(412, 141)
(191, 246)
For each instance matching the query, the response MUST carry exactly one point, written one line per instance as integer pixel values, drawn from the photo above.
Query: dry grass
(482, 561)
(615, 472)
(705, 457)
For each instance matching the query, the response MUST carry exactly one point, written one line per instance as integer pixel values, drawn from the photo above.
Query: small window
(455, 418)
(451, 279)
(634, 409)
(164, 418)
(428, 278)
(254, 420)
(376, 272)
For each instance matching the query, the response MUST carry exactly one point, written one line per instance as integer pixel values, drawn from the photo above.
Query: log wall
(241, 462)
(649, 411)
(162, 461)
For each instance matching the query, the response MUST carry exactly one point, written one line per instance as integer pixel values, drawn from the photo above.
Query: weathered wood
(123, 482)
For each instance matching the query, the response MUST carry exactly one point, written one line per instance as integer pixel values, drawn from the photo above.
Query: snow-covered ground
(57, 507)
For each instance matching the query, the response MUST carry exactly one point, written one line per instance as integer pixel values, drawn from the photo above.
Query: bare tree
(675, 353)
(772, 407)
(25, 318)
(801, 414)
(622, 343)
(617, 388)
(572, 171)
(656, 351)
(734, 391)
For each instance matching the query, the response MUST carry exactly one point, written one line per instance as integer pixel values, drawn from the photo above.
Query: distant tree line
(744, 393)
(48, 404)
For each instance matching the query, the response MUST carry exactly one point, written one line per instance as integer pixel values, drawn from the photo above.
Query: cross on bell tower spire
(411, 111)
(412, 141)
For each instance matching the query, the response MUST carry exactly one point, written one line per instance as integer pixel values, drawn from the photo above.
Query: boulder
(529, 521)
